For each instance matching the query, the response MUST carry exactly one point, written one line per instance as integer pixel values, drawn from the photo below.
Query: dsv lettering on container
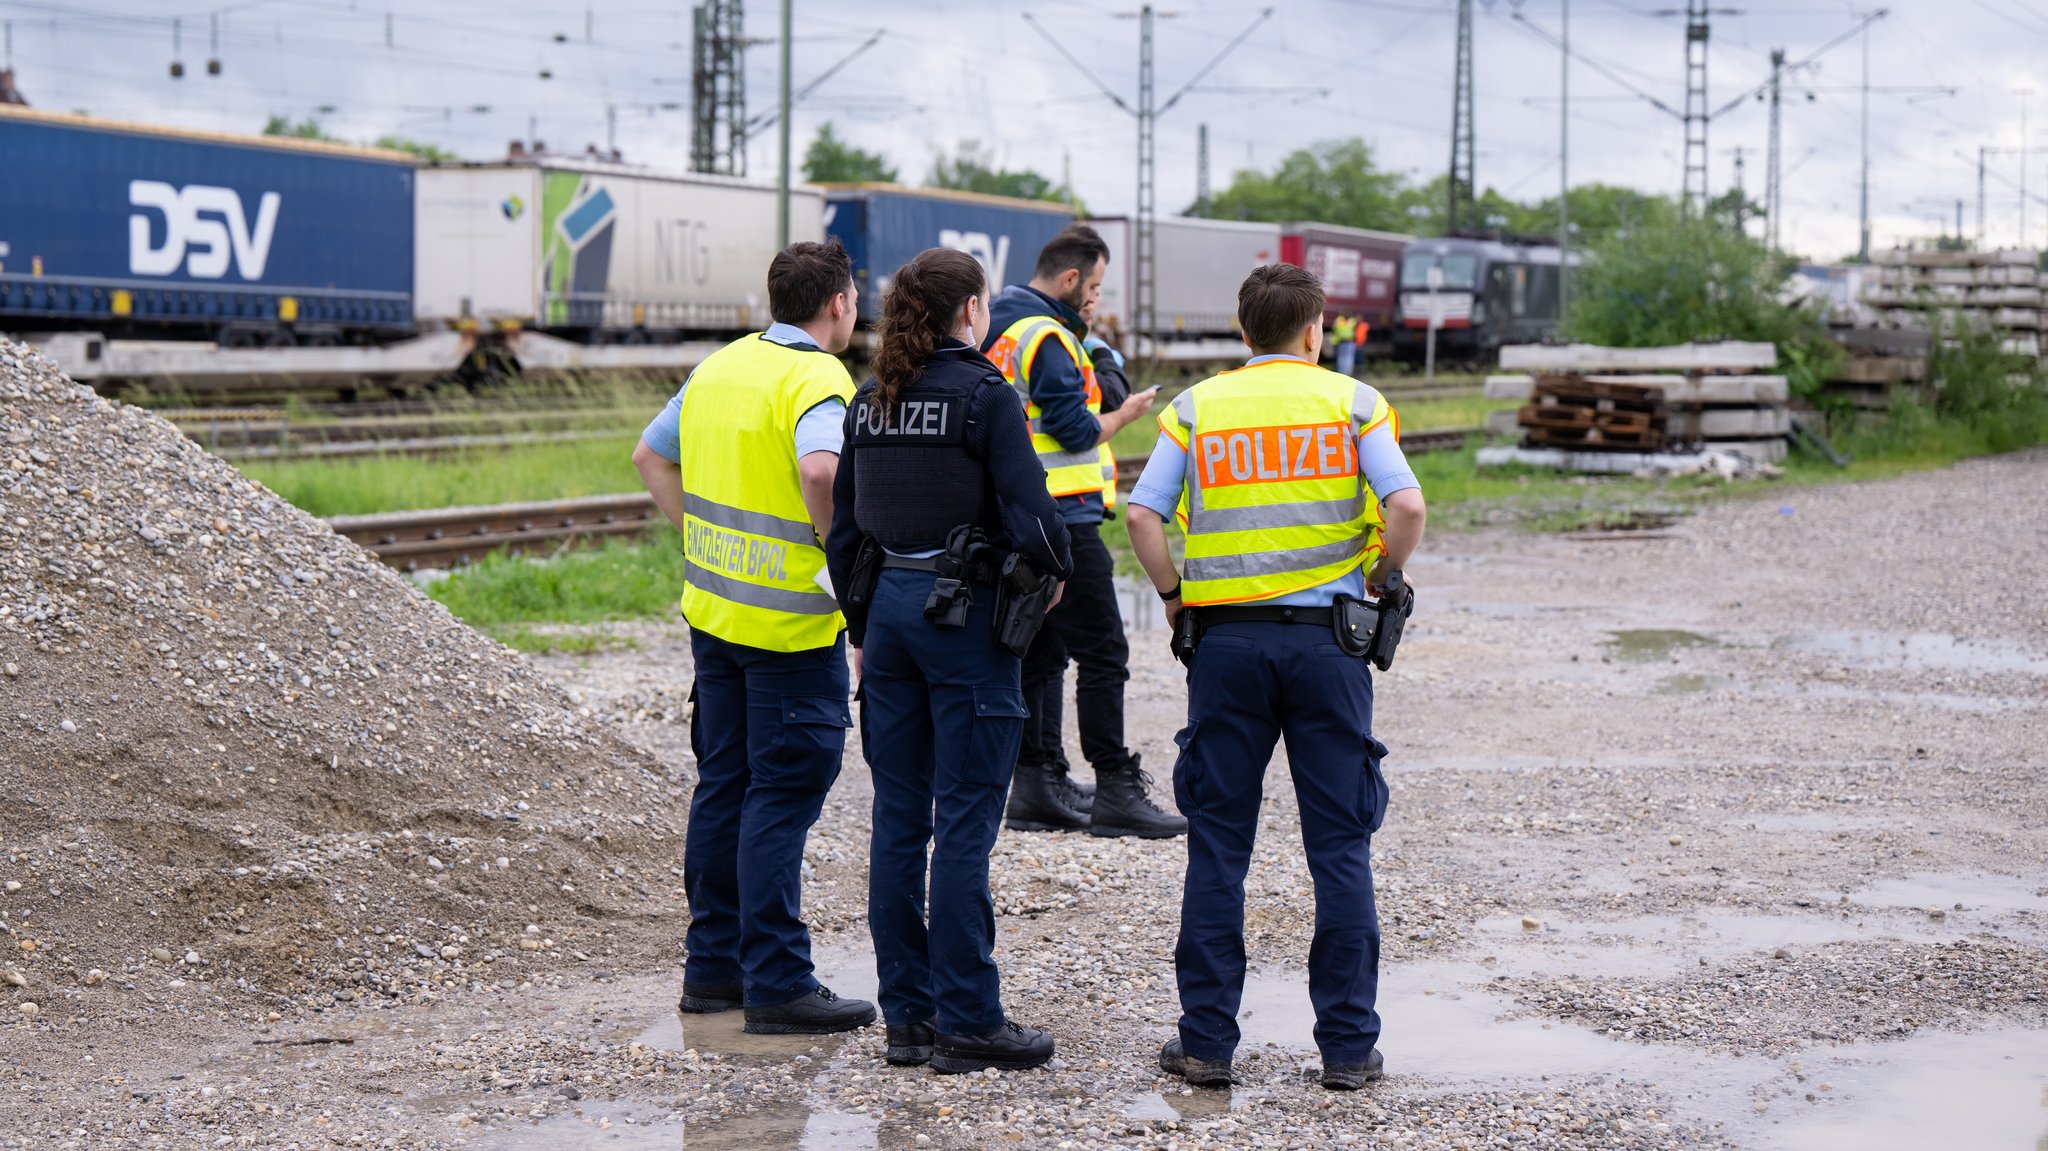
(192, 236)
(1275, 454)
(732, 552)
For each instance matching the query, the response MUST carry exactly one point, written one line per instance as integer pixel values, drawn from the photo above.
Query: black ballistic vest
(916, 476)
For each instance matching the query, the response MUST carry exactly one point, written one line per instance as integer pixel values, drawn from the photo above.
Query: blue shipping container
(883, 226)
(104, 221)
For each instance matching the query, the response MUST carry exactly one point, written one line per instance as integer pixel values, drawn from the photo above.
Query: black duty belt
(976, 573)
(1262, 613)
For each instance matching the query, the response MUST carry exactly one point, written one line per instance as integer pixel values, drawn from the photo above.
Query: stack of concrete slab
(1713, 396)
(1997, 290)
(1881, 362)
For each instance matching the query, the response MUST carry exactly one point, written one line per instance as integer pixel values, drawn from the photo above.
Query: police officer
(1044, 732)
(742, 462)
(939, 485)
(1295, 501)
(1035, 339)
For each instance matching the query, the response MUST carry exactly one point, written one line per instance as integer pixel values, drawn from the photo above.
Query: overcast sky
(943, 72)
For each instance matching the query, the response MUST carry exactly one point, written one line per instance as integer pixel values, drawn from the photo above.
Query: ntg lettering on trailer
(1275, 454)
(734, 553)
(192, 236)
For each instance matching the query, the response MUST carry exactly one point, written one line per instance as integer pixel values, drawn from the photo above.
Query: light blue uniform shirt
(820, 429)
(1380, 461)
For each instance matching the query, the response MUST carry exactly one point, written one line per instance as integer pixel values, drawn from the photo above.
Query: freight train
(210, 261)
(1485, 294)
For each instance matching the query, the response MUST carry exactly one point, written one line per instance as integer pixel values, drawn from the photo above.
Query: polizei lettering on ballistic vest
(728, 551)
(934, 421)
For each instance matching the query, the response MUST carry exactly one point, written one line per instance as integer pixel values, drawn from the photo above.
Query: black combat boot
(1353, 1076)
(1036, 804)
(1011, 1047)
(819, 1013)
(1122, 806)
(1079, 795)
(910, 1044)
(1198, 1072)
(711, 998)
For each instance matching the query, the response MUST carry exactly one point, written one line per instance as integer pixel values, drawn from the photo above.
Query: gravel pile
(1787, 1000)
(242, 755)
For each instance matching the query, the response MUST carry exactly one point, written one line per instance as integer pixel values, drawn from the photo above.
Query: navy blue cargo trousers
(768, 728)
(941, 717)
(1252, 684)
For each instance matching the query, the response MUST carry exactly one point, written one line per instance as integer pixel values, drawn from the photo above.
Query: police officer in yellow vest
(1294, 499)
(1035, 341)
(742, 462)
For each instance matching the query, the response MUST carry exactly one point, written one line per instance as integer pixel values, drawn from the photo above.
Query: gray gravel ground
(1687, 849)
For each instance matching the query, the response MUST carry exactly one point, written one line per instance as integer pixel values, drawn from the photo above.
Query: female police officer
(936, 445)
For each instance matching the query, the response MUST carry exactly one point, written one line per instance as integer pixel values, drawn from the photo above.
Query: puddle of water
(1987, 1090)
(1655, 645)
(1974, 893)
(1658, 945)
(609, 1126)
(1920, 650)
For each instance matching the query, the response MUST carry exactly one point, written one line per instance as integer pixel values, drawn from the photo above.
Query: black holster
(867, 571)
(1397, 603)
(1187, 635)
(1023, 596)
(965, 560)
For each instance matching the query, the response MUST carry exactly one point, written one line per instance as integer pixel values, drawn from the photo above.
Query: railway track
(448, 537)
(345, 431)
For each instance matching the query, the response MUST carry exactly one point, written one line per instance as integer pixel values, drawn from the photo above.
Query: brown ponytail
(918, 313)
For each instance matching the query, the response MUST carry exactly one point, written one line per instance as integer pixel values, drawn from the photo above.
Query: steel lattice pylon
(1694, 201)
(1144, 313)
(1460, 210)
(718, 86)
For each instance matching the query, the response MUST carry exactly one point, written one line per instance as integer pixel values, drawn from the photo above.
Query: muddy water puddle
(1445, 1027)
(1654, 946)
(1920, 651)
(609, 1126)
(1655, 645)
(1959, 894)
(1986, 1090)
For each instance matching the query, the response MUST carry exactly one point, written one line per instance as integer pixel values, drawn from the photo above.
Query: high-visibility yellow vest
(1066, 473)
(751, 556)
(1342, 328)
(1273, 501)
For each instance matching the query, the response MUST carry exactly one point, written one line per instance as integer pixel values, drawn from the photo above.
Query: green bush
(1696, 281)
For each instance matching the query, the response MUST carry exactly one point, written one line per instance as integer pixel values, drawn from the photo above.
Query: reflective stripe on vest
(1066, 473)
(1273, 501)
(751, 556)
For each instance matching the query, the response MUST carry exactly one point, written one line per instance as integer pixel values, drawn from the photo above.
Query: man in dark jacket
(1035, 338)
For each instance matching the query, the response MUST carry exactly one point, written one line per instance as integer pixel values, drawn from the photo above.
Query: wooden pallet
(1642, 439)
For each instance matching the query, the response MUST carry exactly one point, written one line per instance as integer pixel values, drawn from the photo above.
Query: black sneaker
(1011, 1047)
(911, 1043)
(819, 1013)
(711, 998)
(1352, 1076)
(1198, 1072)
(1123, 807)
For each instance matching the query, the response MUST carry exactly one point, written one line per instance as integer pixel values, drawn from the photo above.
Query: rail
(446, 537)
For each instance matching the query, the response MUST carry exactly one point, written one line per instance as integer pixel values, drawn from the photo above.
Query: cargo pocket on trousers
(997, 729)
(808, 738)
(1374, 785)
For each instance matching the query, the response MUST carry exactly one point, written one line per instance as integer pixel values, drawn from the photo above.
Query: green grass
(507, 596)
(389, 483)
